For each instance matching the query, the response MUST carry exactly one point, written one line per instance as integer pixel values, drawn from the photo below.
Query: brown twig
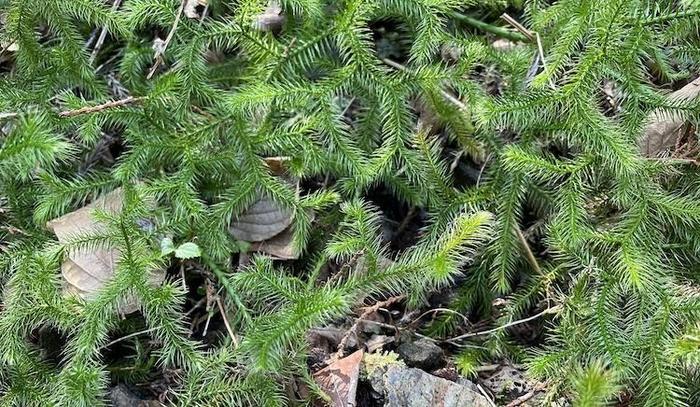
(108, 105)
(367, 311)
(228, 326)
(404, 223)
(528, 251)
(435, 311)
(103, 34)
(159, 53)
(522, 399)
(533, 36)
(524, 31)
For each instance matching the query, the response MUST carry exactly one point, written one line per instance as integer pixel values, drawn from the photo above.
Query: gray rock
(121, 396)
(507, 383)
(422, 354)
(401, 386)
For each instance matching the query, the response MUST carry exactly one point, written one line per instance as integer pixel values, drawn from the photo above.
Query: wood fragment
(103, 34)
(522, 399)
(108, 105)
(161, 51)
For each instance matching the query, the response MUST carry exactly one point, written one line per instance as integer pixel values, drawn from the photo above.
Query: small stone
(507, 383)
(121, 396)
(447, 373)
(422, 354)
(402, 386)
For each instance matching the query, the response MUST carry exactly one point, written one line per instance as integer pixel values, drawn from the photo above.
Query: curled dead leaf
(86, 271)
(663, 130)
(261, 221)
(280, 246)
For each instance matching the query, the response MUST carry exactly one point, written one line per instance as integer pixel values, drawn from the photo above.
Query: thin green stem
(672, 16)
(493, 29)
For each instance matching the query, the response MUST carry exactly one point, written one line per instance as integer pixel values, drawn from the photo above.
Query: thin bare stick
(481, 171)
(522, 399)
(540, 49)
(435, 311)
(528, 252)
(206, 325)
(103, 34)
(228, 326)
(182, 275)
(204, 14)
(145, 331)
(669, 160)
(131, 335)
(104, 106)
(486, 395)
(404, 223)
(524, 31)
(8, 115)
(367, 311)
(533, 36)
(159, 54)
(552, 310)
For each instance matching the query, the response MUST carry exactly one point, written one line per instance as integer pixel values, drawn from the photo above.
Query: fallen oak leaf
(279, 247)
(264, 219)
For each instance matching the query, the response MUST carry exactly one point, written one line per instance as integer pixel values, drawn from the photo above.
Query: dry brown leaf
(277, 165)
(339, 379)
(279, 247)
(662, 131)
(261, 221)
(85, 272)
(271, 19)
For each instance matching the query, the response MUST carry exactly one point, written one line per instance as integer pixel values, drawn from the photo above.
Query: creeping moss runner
(565, 212)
